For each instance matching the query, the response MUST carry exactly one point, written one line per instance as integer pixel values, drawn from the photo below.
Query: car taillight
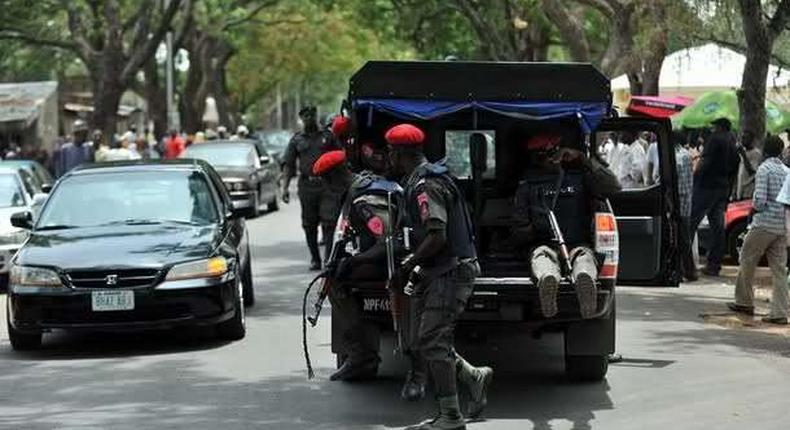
(607, 243)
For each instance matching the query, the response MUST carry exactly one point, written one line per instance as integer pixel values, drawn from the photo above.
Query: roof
(139, 165)
(20, 101)
(123, 110)
(706, 66)
(479, 81)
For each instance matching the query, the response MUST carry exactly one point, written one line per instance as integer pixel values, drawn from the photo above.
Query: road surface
(679, 372)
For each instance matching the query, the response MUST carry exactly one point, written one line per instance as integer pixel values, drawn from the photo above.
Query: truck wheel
(586, 368)
(22, 341)
(274, 205)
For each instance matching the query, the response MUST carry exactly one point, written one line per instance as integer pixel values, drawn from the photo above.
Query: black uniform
(434, 202)
(368, 217)
(319, 205)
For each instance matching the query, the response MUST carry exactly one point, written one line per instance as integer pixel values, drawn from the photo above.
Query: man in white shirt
(631, 163)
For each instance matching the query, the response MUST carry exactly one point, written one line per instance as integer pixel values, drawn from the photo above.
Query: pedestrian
(684, 168)
(750, 157)
(222, 132)
(631, 162)
(443, 268)
(713, 181)
(75, 152)
(174, 145)
(242, 132)
(319, 205)
(767, 236)
(578, 182)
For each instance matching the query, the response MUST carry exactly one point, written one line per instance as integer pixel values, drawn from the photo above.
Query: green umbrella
(724, 104)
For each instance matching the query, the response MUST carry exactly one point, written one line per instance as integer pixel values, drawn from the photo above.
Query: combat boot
(547, 292)
(449, 418)
(356, 370)
(587, 293)
(477, 380)
(414, 387)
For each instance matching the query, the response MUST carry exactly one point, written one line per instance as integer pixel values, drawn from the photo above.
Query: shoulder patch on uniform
(376, 226)
(422, 203)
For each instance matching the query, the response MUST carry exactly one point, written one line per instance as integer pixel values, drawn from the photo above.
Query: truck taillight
(607, 243)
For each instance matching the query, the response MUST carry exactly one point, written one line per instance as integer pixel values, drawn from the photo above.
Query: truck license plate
(112, 300)
(375, 305)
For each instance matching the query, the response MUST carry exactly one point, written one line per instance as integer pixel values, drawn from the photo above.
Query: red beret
(341, 126)
(543, 142)
(405, 134)
(328, 161)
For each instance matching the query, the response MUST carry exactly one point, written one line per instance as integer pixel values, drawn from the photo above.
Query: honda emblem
(111, 279)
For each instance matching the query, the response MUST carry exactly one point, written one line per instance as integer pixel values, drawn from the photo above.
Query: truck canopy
(426, 91)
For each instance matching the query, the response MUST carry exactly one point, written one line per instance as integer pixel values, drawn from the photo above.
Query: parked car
(14, 197)
(41, 175)
(248, 172)
(275, 142)
(131, 245)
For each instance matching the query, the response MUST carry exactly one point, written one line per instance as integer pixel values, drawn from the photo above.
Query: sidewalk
(725, 318)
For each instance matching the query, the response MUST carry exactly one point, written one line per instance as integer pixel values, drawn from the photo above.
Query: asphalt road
(679, 372)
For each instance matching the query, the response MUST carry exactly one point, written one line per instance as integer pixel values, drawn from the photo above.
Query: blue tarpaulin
(588, 113)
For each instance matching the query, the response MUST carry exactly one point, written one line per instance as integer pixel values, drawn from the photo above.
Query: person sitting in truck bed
(553, 166)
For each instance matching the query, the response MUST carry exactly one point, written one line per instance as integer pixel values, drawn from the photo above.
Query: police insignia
(422, 202)
(376, 226)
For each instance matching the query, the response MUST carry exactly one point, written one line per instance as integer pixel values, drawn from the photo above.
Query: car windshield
(10, 192)
(143, 197)
(223, 154)
(277, 140)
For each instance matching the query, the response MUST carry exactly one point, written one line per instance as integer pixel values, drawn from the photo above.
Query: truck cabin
(480, 132)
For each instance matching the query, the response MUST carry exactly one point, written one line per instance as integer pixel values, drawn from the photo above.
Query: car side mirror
(265, 159)
(478, 152)
(22, 220)
(46, 188)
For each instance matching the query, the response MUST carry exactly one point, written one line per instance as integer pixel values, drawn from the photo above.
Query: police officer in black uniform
(442, 270)
(318, 205)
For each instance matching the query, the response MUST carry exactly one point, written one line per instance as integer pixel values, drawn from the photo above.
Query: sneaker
(775, 320)
(547, 290)
(587, 293)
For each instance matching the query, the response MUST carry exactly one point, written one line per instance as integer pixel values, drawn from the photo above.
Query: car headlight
(26, 276)
(14, 238)
(208, 268)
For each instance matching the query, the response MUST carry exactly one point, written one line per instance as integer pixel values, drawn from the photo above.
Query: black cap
(722, 122)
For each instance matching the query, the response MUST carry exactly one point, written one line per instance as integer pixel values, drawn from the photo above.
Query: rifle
(555, 225)
(395, 295)
(340, 237)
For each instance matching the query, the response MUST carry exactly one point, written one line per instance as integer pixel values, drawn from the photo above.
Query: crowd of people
(714, 167)
(85, 146)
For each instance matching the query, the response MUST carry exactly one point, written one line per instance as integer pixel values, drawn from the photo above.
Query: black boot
(449, 418)
(356, 369)
(476, 380)
(414, 387)
(311, 236)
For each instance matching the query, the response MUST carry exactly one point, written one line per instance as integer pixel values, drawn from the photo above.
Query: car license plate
(112, 300)
(375, 305)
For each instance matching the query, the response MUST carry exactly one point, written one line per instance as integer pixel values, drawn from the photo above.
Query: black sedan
(129, 245)
(249, 173)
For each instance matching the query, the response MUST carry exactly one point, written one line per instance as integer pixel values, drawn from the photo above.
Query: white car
(14, 197)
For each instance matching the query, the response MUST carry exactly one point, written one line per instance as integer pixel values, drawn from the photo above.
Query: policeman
(568, 183)
(443, 268)
(318, 205)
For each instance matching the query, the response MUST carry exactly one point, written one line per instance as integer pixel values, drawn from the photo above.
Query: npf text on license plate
(112, 301)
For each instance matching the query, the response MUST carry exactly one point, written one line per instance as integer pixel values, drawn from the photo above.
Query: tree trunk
(107, 93)
(751, 97)
(190, 105)
(156, 98)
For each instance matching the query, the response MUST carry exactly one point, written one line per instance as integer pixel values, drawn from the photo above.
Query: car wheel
(22, 341)
(586, 368)
(236, 327)
(246, 278)
(735, 240)
(255, 212)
